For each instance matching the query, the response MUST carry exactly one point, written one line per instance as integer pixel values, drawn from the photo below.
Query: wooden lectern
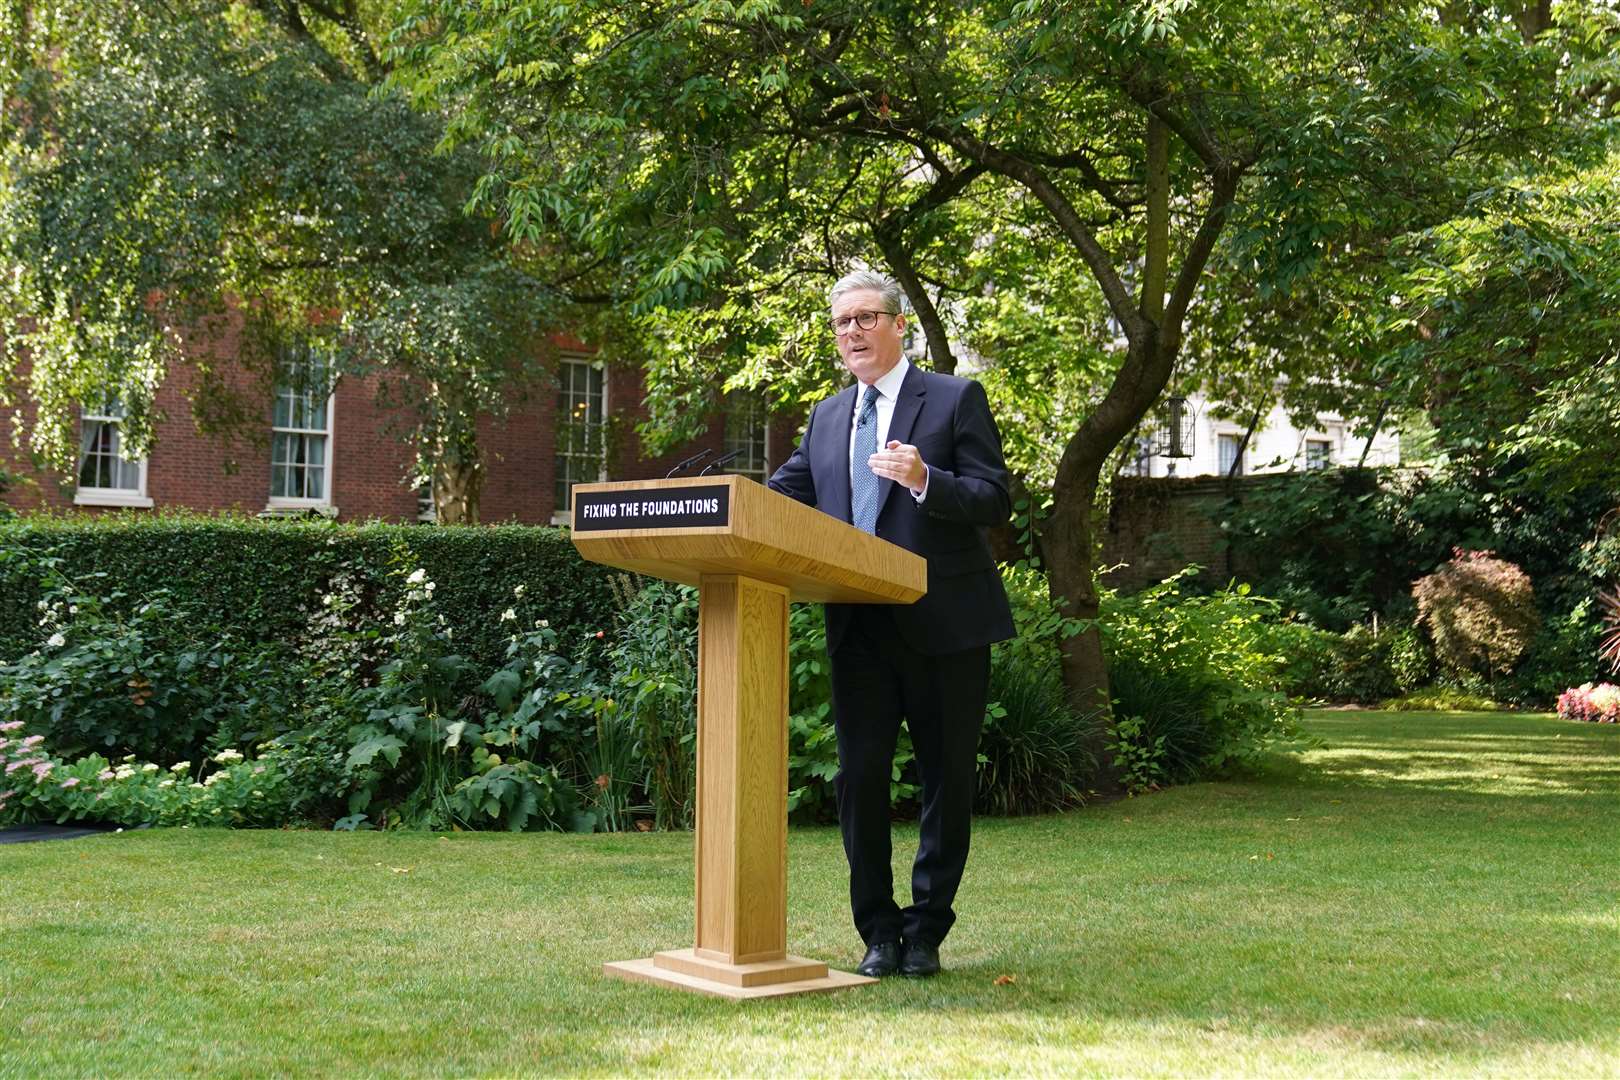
(750, 551)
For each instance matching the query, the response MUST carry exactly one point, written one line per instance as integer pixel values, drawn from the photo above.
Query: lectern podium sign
(750, 551)
(682, 507)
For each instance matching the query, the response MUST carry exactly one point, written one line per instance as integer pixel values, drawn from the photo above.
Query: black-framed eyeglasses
(866, 320)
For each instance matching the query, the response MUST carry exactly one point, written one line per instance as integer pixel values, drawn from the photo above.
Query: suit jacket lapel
(832, 456)
(907, 404)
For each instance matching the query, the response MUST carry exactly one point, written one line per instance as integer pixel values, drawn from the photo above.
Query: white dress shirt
(888, 388)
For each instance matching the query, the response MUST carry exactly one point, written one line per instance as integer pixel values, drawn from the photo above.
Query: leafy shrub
(1137, 754)
(1357, 666)
(143, 677)
(439, 748)
(228, 789)
(1335, 547)
(263, 581)
(1599, 704)
(1362, 671)
(655, 684)
(1410, 660)
(1479, 610)
(1565, 650)
(1032, 747)
(1209, 650)
(1160, 734)
(1309, 658)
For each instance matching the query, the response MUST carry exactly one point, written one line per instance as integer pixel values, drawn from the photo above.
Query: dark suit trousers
(876, 680)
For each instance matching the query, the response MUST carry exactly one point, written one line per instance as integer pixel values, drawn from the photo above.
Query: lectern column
(742, 770)
(741, 851)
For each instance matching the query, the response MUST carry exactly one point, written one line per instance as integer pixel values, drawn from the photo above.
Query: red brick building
(342, 456)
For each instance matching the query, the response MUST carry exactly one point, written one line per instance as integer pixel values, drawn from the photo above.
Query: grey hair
(894, 298)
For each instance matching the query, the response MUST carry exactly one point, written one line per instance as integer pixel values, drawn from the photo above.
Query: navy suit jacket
(948, 420)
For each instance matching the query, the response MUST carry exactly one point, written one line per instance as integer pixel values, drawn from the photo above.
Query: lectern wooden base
(684, 969)
(750, 552)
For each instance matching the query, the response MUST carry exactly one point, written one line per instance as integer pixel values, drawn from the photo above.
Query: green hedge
(261, 580)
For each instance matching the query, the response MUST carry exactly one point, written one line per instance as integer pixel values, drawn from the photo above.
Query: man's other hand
(900, 463)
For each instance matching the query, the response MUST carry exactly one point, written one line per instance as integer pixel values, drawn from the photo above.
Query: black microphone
(688, 463)
(717, 462)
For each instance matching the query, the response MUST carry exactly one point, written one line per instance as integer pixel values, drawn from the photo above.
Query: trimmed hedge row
(262, 579)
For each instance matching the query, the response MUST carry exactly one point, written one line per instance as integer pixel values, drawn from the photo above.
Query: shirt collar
(889, 384)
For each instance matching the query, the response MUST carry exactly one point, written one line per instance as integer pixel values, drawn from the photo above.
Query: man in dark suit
(914, 458)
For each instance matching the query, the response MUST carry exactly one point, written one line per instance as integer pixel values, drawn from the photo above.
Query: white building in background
(1276, 446)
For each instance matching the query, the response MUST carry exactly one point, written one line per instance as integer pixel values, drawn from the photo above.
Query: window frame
(1224, 469)
(1326, 461)
(560, 513)
(756, 412)
(103, 496)
(290, 503)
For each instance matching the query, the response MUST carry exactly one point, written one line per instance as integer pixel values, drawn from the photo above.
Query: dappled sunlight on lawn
(1517, 757)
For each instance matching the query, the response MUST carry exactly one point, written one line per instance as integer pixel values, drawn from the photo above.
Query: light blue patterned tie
(863, 482)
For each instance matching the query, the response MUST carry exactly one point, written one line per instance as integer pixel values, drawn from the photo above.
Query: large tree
(1147, 144)
(167, 169)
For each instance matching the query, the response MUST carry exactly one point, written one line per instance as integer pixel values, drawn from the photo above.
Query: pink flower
(104, 774)
(15, 765)
(72, 781)
(42, 770)
(32, 741)
(11, 725)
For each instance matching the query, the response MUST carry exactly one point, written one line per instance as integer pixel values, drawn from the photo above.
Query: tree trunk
(1069, 540)
(458, 481)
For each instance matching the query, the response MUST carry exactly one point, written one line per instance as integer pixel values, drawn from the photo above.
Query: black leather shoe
(881, 959)
(918, 959)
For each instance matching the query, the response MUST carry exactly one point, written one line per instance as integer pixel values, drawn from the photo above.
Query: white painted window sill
(111, 497)
(278, 508)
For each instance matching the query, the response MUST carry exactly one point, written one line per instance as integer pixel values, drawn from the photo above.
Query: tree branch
(1063, 212)
(1202, 246)
(898, 255)
(284, 13)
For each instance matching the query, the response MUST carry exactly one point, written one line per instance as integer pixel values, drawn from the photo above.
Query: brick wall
(1158, 525)
(370, 465)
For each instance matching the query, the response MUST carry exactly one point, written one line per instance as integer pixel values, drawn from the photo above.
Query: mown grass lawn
(1423, 894)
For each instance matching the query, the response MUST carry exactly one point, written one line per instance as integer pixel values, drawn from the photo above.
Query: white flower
(56, 641)
(429, 586)
(41, 605)
(228, 757)
(197, 787)
(73, 609)
(149, 768)
(124, 772)
(211, 778)
(180, 766)
(166, 783)
(258, 794)
(508, 615)
(417, 577)
(399, 618)
(544, 624)
(518, 591)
